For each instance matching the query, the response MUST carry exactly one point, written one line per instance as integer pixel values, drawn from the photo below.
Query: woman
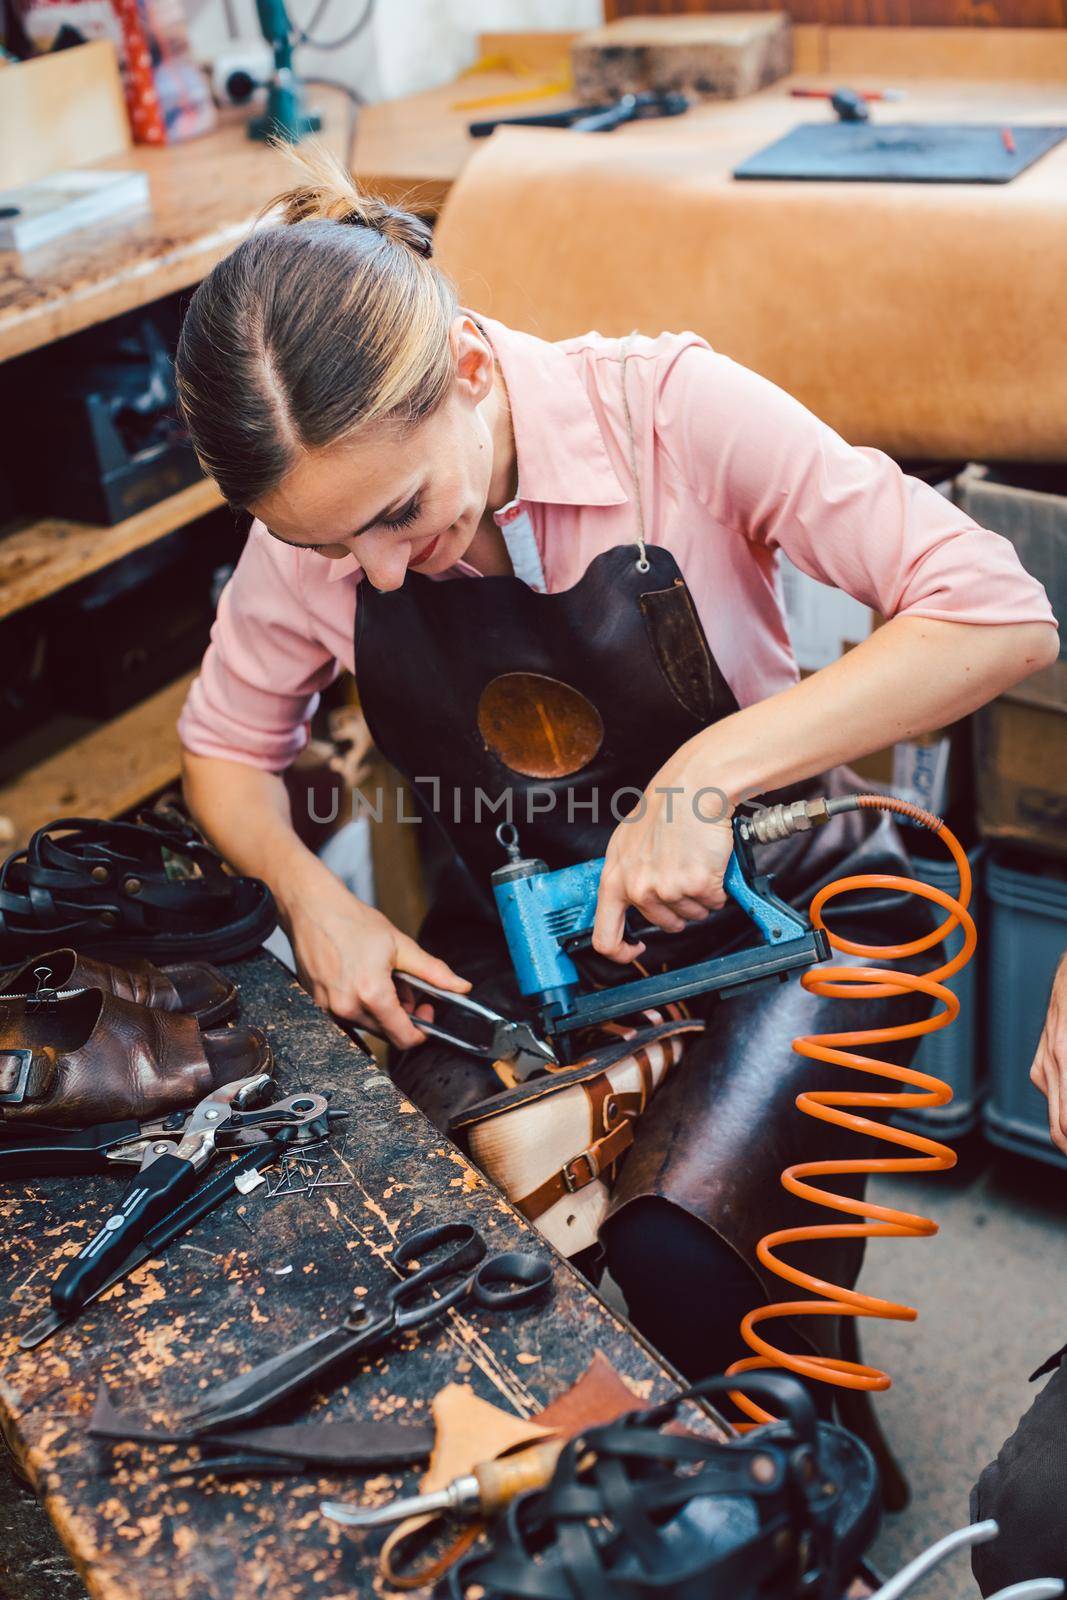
(620, 504)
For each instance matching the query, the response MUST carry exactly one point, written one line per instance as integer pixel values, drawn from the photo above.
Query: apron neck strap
(643, 563)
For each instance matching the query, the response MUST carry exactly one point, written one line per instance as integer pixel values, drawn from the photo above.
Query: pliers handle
(48, 1152)
(169, 1172)
(501, 1039)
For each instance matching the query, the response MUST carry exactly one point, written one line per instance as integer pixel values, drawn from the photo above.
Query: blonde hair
(329, 317)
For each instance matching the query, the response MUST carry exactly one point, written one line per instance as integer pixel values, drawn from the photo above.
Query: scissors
(440, 1267)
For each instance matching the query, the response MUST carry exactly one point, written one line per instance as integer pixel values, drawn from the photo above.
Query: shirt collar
(562, 457)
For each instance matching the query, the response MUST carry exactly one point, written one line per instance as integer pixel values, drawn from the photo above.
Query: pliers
(502, 1040)
(68, 1152)
(171, 1153)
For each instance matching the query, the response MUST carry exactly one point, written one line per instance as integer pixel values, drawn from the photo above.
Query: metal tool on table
(850, 105)
(502, 1039)
(548, 918)
(441, 1267)
(359, 1444)
(593, 119)
(484, 1492)
(71, 1152)
(170, 1153)
(239, 1177)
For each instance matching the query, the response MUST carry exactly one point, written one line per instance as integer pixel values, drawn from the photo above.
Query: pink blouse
(731, 469)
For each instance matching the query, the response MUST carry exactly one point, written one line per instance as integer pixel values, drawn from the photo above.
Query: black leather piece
(633, 1513)
(112, 888)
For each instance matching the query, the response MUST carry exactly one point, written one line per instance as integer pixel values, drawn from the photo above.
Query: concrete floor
(991, 1292)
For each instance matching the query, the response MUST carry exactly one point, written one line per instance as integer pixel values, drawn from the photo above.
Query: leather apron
(630, 677)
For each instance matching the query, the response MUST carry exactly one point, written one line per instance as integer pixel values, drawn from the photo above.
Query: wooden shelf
(205, 195)
(42, 557)
(103, 773)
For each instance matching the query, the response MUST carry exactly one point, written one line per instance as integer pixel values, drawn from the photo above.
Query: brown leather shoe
(194, 987)
(88, 1057)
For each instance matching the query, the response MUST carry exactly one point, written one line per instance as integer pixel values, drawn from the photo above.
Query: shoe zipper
(46, 993)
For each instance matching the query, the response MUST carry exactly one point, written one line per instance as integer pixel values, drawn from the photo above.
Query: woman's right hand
(346, 954)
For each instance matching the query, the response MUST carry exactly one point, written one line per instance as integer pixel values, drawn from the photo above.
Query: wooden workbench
(247, 1281)
(415, 148)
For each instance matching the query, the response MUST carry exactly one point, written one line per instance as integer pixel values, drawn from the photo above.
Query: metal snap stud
(133, 886)
(99, 874)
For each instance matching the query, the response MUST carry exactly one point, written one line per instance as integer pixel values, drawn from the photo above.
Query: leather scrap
(469, 1431)
(350, 1444)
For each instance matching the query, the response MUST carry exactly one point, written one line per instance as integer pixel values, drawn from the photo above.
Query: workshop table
(258, 1275)
(921, 318)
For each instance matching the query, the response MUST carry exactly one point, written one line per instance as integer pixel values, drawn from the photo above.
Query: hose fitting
(772, 823)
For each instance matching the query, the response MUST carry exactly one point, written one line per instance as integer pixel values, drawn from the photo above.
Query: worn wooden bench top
(254, 1278)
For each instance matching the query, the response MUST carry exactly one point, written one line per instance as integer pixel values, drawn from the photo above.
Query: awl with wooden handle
(481, 1493)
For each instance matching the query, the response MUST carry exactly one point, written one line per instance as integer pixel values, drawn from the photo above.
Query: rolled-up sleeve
(767, 467)
(263, 672)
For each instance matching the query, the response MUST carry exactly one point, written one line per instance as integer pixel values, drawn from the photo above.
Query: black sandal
(151, 887)
(634, 1513)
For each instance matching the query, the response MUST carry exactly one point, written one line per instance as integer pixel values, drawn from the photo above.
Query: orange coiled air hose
(847, 1108)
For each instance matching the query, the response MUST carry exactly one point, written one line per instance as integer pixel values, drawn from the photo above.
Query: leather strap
(584, 1168)
(644, 1067)
(76, 870)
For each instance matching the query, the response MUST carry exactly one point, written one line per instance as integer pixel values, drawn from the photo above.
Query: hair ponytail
(329, 193)
(329, 317)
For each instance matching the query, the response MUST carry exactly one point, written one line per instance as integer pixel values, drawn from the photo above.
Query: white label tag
(516, 525)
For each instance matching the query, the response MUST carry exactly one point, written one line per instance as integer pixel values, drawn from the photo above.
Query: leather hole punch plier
(170, 1153)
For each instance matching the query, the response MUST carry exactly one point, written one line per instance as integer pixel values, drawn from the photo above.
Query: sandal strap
(135, 1063)
(78, 877)
(598, 1529)
(132, 978)
(580, 1171)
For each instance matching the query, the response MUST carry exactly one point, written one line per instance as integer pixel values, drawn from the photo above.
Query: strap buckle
(24, 1058)
(574, 1178)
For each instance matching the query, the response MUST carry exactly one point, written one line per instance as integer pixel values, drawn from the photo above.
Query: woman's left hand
(1049, 1071)
(667, 858)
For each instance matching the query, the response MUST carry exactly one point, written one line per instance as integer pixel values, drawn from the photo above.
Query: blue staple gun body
(548, 918)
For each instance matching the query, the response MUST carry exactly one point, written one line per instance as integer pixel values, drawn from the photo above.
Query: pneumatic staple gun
(548, 918)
